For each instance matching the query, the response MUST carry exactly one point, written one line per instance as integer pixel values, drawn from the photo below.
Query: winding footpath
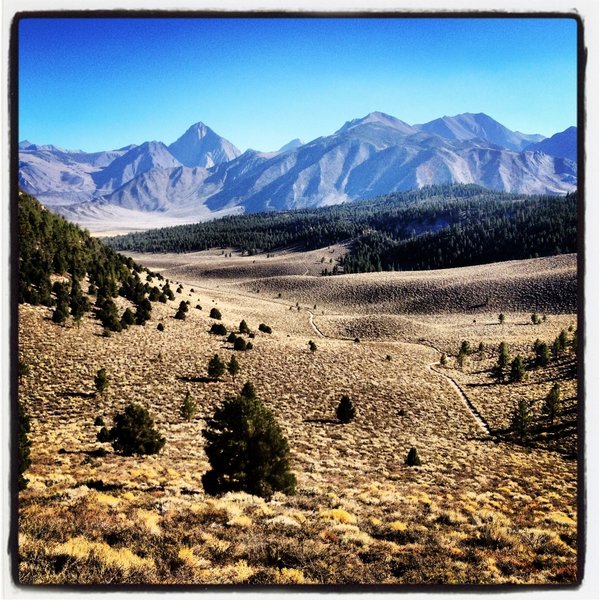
(477, 416)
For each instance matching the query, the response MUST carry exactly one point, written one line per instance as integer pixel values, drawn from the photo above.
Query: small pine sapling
(345, 411)
(413, 459)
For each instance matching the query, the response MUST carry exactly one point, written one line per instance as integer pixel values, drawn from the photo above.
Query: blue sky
(99, 84)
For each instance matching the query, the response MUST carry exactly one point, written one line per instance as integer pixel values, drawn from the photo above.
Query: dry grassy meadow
(481, 509)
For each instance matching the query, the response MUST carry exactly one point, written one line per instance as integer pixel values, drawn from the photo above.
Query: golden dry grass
(479, 510)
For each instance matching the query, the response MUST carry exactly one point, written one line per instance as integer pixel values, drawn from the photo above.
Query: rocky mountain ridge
(202, 175)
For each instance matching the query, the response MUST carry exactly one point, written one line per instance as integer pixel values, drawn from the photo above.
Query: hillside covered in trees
(434, 227)
(62, 266)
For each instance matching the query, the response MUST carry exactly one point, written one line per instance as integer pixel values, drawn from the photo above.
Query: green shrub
(218, 329)
(134, 432)
(239, 344)
(265, 328)
(244, 327)
(99, 421)
(215, 313)
(160, 327)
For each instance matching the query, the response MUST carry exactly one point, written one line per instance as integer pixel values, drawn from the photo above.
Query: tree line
(433, 227)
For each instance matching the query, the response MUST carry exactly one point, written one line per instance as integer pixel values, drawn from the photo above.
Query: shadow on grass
(78, 394)
(199, 379)
(96, 453)
(323, 421)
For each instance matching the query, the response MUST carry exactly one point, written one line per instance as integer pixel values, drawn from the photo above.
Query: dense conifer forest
(62, 266)
(434, 227)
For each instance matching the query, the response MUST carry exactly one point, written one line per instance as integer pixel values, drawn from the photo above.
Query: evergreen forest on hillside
(62, 266)
(433, 227)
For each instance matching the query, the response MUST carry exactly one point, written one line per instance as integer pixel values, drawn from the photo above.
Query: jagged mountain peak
(200, 146)
(202, 174)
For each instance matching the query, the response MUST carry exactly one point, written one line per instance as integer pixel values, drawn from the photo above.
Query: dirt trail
(476, 414)
(463, 396)
(311, 320)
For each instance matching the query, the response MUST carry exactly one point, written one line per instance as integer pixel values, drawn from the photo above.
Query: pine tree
(517, 369)
(216, 367)
(127, 318)
(413, 460)
(521, 419)
(542, 353)
(248, 391)
(461, 359)
(563, 340)
(61, 312)
(501, 318)
(215, 313)
(78, 303)
(443, 359)
(188, 408)
(101, 381)
(345, 411)
(312, 346)
(503, 356)
(552, 406)
(244, 327)
(233, 367)
(246, 450)
(134, 432)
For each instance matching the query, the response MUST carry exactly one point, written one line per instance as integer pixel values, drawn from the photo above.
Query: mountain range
(202, 175)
